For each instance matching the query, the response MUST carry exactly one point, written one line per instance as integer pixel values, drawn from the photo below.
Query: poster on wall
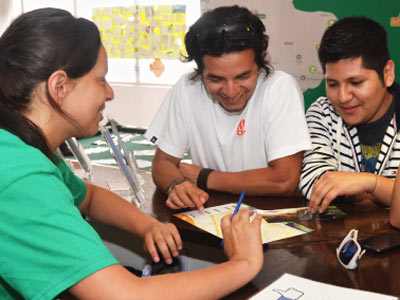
(143, 32)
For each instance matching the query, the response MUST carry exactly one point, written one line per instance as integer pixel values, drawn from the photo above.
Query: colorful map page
(210, 220)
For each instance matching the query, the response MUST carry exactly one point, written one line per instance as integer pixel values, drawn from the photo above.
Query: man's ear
(388, 73)
(57, 85)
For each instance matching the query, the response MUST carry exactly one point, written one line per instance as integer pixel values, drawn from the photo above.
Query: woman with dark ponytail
(53, 87)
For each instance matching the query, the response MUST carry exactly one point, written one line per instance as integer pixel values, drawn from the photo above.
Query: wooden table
(313, 255)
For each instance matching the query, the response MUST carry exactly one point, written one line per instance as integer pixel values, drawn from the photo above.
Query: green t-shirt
(45, 244)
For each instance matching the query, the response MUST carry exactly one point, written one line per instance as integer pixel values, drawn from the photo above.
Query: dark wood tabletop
(312, 255)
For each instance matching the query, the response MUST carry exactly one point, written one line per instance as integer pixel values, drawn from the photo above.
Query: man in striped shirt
(355, 147)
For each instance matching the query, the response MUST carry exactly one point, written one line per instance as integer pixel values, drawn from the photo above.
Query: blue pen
(236, 209)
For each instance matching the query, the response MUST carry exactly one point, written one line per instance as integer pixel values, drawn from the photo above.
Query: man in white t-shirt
(242, 123)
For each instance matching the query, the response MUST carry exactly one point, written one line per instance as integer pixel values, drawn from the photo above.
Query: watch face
(348, 251)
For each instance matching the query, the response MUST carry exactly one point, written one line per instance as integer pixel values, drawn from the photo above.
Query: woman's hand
(165, 238)
(242, 239)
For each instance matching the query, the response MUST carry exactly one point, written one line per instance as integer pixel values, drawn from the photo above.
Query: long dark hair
(35, 45)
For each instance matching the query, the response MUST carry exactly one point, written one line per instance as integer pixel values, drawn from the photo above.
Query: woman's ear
(57, 86)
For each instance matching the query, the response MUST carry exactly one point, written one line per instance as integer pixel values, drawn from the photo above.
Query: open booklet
(210, 221)
(290, 287)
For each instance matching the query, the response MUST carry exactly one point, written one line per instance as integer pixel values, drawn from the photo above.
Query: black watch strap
(203, 177)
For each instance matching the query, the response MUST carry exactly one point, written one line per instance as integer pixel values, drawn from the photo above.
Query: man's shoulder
(187, 87)
(322, 103)
(323, 108)
(277, 80)
(276, 75)
(189, 80)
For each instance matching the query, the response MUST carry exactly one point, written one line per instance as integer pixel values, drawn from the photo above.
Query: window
(143, 38)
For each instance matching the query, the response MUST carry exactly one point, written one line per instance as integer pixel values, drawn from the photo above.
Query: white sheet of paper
(291, 287)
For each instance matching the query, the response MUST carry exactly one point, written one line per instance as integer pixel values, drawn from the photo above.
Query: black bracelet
(202, 178)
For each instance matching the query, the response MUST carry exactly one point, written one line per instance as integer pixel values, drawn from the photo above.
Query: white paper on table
(291, 287)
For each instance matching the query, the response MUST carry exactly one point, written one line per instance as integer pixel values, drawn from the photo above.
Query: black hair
(354, 37)
(34, 46)
(224, 30)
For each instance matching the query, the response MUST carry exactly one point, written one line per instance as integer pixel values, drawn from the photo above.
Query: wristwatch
(173, 183)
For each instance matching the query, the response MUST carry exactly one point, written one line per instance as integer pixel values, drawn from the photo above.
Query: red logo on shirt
(240, 129)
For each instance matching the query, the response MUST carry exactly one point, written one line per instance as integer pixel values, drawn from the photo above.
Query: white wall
(135, 105)
(6, 14)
